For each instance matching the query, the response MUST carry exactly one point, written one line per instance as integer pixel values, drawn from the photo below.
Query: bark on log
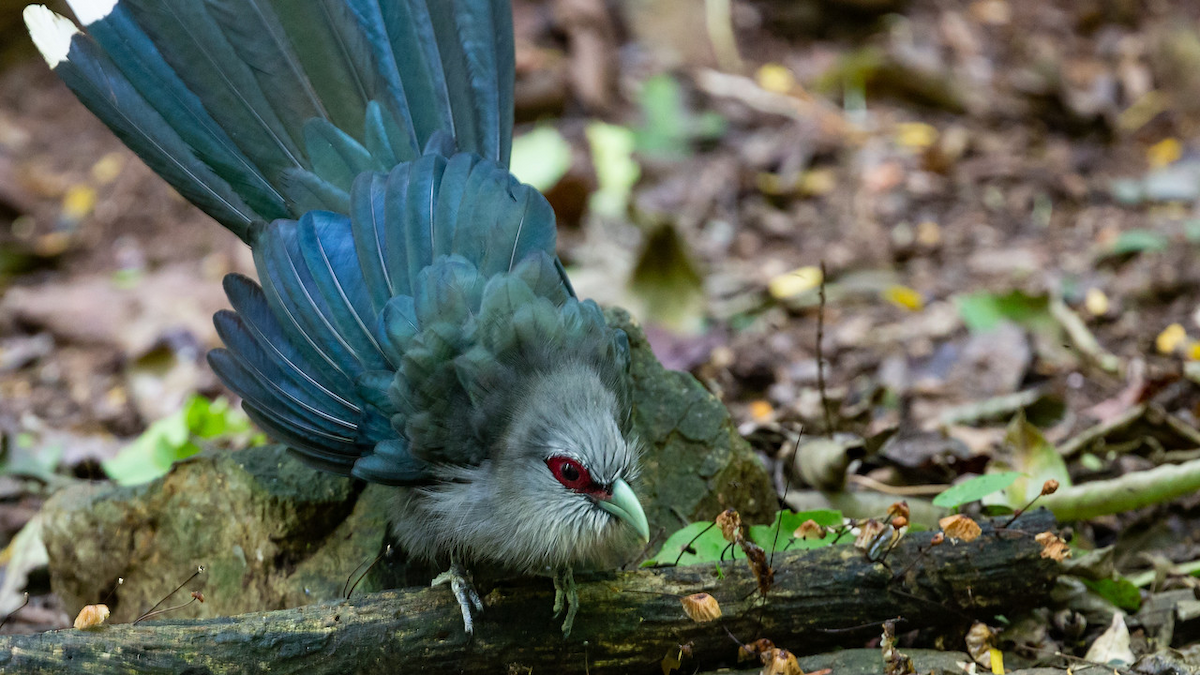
(627, 623)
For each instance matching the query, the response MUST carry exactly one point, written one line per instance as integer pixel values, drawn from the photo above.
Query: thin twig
(387, 551)
(198, 572)
(683, 549)
(164, 610)
(821, 354)
(897, 490)
(873, 624)
(10, 614)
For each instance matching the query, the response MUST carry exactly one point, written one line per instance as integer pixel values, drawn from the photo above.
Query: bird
(411, 324)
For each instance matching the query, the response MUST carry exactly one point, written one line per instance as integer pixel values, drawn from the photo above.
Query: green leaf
(174, 437)
(26, 458)
(706, 548)
(1138, 241)
(975, 489)
(616, 169)
(984, 311)
(541, 157)
(786, 523)
(1037, 461)
(668, 126)
(1120, 592)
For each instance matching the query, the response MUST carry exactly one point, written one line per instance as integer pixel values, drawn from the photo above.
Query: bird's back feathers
(416, 296)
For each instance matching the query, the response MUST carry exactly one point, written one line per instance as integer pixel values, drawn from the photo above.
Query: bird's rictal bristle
(51, 33)
(91, 11)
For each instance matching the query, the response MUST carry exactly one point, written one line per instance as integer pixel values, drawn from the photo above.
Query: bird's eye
(570, 473)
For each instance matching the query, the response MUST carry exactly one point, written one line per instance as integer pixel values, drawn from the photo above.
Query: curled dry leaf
(780, 662)
(757, 559)
(981, 641)
(701, 607)
(960, 527)
(808, 530)
(753, 651)
(730, 523)
(895, 661)
(1049, 487)
(91, 616)
(868, 531)
(197, 595)
(1053, 546)
(938, 539)
(898, 510)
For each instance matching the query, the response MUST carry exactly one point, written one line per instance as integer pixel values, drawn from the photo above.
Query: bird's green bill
(625, 505)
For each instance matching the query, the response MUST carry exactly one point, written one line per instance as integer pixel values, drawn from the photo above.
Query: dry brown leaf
(980, 641)
(898, 510)
(809, 530)
(780, 662)
(868, 531)
(757, 559)
(1053, 546)
(754, 650)
(960, 527)
(701, 607)
(895, 661)
(91, 616)
(730, 523)
(1049, 487)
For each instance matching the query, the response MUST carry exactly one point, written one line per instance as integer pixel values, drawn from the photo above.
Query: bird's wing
(350, 345)
(263, 109)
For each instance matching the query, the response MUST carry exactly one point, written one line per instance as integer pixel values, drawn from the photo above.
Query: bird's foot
(464, 592)
(566, 597)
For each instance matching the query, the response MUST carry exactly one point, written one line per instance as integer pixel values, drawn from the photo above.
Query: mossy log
(627, 623)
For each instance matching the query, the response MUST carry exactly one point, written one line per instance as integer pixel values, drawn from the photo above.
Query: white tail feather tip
(91, 11)
(51, 33)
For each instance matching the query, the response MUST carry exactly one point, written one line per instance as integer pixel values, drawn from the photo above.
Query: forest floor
(1003, 197)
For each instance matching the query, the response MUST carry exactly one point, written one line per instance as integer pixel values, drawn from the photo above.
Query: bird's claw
(566, 597)
(464, 592)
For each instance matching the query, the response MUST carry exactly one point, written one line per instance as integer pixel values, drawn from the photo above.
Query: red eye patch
(573, 475)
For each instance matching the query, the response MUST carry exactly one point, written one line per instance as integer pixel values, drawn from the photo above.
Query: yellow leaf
(929, 234)
(78, 202)
(916, 135)
(795, 282)
(1167, 151)
(1141, 111)
(997, 661)
(108, 167)
(1193, 351)
(1170, 339)
(817, 182)
(776, 78)
(761, 410)
(1096, 302)
(904, 297)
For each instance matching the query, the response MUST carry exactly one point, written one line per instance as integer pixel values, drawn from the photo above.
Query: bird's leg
(566, 596)
(464, 592)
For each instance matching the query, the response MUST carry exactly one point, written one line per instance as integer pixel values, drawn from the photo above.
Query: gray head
(555, 490)
(565, 459)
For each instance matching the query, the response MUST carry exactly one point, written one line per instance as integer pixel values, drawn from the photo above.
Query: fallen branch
(627, 623)
(1125, 493)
